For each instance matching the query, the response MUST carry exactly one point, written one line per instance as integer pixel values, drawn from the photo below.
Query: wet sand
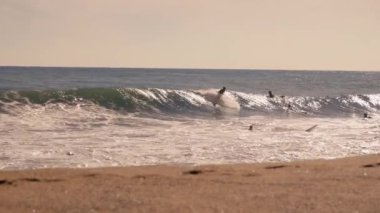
(340, 185)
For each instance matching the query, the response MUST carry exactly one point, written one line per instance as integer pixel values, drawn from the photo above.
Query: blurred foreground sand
(340, 185)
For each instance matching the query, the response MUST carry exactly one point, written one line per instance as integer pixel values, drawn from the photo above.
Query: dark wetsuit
(221, 91)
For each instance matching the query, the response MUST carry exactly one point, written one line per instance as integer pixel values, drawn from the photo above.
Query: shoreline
(349, 184)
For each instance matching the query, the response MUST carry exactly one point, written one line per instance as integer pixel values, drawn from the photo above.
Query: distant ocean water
(80, 117)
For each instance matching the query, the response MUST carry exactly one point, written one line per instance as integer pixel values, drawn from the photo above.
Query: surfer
(289, 107)
(270, 94)
(219, 95)
(365, 115)
(221, 91)
(250, 127)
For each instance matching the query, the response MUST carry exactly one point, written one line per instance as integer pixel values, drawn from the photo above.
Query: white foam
(148, 94)
(191, 97)
(226, 100)
(255, 100)
(306, 102)
(356, 99)
(42, 136)
(374, 99)
(163, 94)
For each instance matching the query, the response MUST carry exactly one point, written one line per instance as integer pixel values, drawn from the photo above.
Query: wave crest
(189, 102)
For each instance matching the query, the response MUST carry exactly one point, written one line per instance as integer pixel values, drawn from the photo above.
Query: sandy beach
(339, 185)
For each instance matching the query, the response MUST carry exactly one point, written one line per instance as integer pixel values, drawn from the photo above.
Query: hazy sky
(253, 34)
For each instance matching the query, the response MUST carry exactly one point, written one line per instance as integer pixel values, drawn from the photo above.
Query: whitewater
(105, 117)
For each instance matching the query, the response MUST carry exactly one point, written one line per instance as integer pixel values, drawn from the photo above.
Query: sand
(340, 185)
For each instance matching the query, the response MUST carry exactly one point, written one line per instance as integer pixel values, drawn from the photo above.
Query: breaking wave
(188, 102)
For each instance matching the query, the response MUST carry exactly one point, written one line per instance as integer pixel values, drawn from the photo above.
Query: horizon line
(176, 68)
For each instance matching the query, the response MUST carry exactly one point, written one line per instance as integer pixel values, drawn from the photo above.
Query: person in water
(270, 94)
(221, 91)
(365, 115)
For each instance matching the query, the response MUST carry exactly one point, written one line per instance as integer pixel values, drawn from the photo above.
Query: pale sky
(230, 34)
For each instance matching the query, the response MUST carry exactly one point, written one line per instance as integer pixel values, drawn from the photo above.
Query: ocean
(100, 117)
